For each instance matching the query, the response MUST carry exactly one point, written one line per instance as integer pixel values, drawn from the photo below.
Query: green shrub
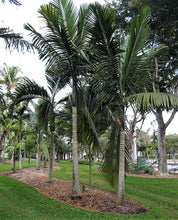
(141, 167)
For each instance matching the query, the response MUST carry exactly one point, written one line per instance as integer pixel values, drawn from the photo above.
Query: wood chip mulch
(93, 199)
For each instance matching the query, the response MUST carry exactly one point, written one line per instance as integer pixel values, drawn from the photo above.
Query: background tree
(162, 67)
(171, 142)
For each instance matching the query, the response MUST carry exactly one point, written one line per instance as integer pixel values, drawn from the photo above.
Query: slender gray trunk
(20, 159)
(90, 185)
(54, 154)
(45, 163)
(51, 156)
(20, 153)
(75, 184)
(38, 161)
(14, 161)
(29, 161)
(134, 148)
(121, 185)
(14, 154)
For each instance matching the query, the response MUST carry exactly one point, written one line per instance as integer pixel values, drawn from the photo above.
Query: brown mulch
(94, 199)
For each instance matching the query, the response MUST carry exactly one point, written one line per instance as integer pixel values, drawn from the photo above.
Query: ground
(94, 199)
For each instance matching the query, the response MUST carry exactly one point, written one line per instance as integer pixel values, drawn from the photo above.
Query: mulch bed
(94, 199)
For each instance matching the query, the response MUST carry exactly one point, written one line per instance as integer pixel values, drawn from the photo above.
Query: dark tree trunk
(162, 156)
(2, 139)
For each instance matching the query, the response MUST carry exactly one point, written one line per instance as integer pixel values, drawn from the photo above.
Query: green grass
(8, 166)
(20, 201)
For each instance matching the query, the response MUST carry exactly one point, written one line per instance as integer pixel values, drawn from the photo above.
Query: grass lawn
(20, 201)
(8, 166)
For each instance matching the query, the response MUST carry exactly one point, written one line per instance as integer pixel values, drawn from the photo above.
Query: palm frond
(67, 16)
(14, 41)
(147, 100)
(42, 110)
(13, 2)
(28, 89)
(132, 67)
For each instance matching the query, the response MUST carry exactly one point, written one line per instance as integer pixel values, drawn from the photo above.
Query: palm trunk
(14, 161)
(54, 154)
(20, 159)
(45, 163)
(20, 153)
(14, 154)
(134, 148)
(75, 184)
(38, 161)
(29, 161)
(121, 185)
(90, 185)
(51, 160)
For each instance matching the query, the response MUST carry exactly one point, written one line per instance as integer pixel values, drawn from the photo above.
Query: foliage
(141, 167)
(85, 162)
(171, 142)
(147, 100)
(30, 145)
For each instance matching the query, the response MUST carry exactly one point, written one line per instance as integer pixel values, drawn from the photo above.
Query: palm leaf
(28, 89)
(133, 65)
(13, 40)
(147, 100)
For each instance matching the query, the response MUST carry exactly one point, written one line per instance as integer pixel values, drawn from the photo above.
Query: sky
(15, 17)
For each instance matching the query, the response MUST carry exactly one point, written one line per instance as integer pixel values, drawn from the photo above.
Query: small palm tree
(28, 90)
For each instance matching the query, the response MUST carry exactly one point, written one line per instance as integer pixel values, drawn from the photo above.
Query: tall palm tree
(119, 74)
(60, 44)
(28, 90)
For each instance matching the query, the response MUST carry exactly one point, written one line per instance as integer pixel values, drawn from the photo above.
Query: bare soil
(91, 199)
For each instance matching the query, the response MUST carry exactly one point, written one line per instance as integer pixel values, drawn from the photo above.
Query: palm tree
(21, 113)
(8, 77)
(61, 44)
(118, 76)
(28, 90)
